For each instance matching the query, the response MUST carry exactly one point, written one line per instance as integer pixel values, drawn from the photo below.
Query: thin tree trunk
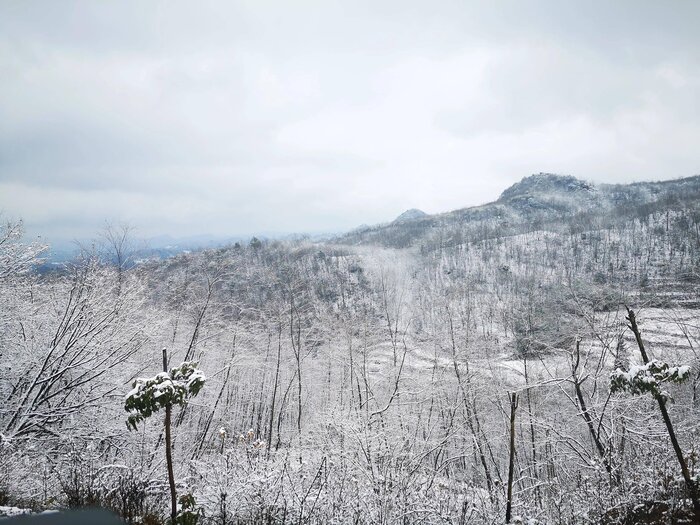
(615, 476)
(468, 412)
(533, 439)
(509, 501)
(667, 419)
(274, 390)
(296, 347)
(168, 451)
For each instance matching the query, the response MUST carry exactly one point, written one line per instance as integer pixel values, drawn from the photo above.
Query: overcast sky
(241, 117)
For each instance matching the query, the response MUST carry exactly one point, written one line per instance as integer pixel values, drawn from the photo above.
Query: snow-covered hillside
(368, 379)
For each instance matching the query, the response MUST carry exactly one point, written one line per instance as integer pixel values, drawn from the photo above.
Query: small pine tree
(150, 395)
(162, 391)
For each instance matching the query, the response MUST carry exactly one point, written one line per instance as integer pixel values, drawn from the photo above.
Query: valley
(366, 378)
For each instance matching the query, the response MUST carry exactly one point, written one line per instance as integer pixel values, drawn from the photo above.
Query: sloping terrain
(367, 379)
(537, 201)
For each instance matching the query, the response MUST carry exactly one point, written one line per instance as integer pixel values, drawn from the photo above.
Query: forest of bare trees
(478, 375)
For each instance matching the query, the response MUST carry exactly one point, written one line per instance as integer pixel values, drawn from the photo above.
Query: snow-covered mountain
(410, 215)
(543, 198)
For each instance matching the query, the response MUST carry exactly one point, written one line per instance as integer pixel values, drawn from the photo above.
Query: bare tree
(118, 247)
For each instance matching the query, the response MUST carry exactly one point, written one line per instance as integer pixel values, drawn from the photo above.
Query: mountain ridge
(410, 215)
(533, 201)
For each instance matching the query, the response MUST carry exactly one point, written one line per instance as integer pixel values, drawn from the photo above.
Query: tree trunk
(509, 501)
(168, 450)
(667, 420)
(614, 476)
(533, 439)
(274, 390)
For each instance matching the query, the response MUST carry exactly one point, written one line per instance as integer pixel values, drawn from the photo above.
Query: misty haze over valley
(299, 262)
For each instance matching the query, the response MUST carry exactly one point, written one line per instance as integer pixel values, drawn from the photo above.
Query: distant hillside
(410, 215)
(543, 200)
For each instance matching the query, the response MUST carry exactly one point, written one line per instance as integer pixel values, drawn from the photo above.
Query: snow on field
(667, 334)
(13, 511)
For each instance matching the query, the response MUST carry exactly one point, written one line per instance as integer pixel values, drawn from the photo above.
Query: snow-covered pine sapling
(168, 388)
(188, 513)
(647, 378)
(165, 389)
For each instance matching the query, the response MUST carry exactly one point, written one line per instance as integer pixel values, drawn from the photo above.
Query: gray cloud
(232, 117)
